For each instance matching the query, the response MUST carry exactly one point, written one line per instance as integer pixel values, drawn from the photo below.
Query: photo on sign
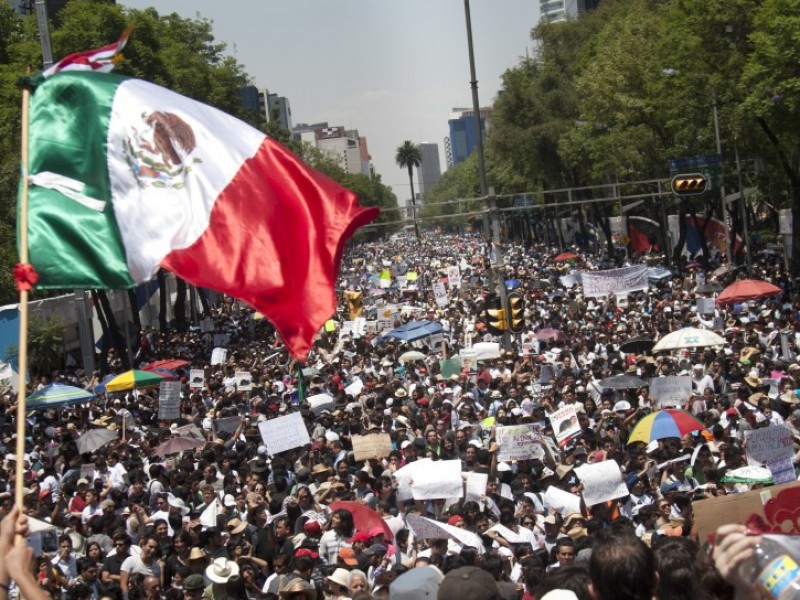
(197, 379)
(244, 381)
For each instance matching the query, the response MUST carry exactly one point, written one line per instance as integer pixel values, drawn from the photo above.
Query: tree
(45, 345)
(409, 156)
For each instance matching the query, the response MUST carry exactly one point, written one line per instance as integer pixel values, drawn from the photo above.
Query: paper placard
(169, 400)
(469, 359)
(197, 379)
(476, 487)
(782, 471)
(355, 388)
(670, 391)
(565, 423)
(284, 433)
(87, 472)
(562, 502)
(601, 481)
(405, 475)
(440, 295)
(244, 381)
(218, 356)
(374, 445)
(768, 445)
(319, 402)
(425, 528)
(190, 430)
(705, 306)
(525, 536)
(439, 479)
(519, 442)
(454, 276)
(226, 424)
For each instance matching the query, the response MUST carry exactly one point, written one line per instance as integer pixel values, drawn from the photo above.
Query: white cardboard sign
(601, 481)
(284, 433)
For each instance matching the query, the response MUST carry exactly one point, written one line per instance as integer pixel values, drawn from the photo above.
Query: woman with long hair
(340, 529)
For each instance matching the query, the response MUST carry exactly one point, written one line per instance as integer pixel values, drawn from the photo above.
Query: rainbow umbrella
(133, 379)
(670, 423)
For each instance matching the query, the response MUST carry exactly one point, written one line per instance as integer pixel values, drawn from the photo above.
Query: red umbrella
(364, 517)
(171, 364)
(566, 256)
(165, 373)
(551, 335)
(747, 289)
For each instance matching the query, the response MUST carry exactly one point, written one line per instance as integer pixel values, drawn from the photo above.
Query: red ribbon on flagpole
(26, 276)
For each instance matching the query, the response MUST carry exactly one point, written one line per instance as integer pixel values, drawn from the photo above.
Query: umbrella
(709, 287)
(747, 289)
(623, 382)
(669, 423)
(364, 518)
(411, 355)
(166, 374)
(414, 330)
(94, 439)
(171, 364)
(637, 345)
(539, 284)
(512, 284)
(55, 395)
(176, 445)
(748, 474)
(688, 337)
(566, 256)
(551, 335)
(130, 380)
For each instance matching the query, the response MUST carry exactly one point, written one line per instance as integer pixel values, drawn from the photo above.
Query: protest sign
(774, 386)
(672, 390)
(476, 487)
(439, 479)
(197, 379)
(601, 481)
(169, 400)
(428, 529)
(244, 381)
(469, 359)
(450, 366)
(208, 518)
(284, 433)
(319, 402)
(226, 424)
(705, 306)
(453, 276)
(373, 445)
(614, 281)
(218, 356)
(190, 430)
(525, 536)
(405, 475)
(440, 294)
(519, 442)
(87, 472)
(355, 388)
(562, 502)
(771, 447)
(565, 423)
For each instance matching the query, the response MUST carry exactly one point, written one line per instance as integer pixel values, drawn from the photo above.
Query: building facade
(464, 134)
(430, 169)
(278, 107)
(551, 11)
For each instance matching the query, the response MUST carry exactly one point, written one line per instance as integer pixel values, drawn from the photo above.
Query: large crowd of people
(228, 519)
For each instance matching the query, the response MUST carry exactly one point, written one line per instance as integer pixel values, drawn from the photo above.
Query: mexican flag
(127, 177)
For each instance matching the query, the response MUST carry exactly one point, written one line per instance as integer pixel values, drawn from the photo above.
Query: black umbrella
(623, 382)
(637, 345)
(709, 287)
(540, 284)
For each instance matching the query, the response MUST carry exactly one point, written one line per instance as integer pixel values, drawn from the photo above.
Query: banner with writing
(284, 433)
(218, 356)
(373, 445)
(601, 481)
(226, 424)
(519, 442)
(771, 447)
(560, 501)
(614, 281)
(169, 400)
(672, 390)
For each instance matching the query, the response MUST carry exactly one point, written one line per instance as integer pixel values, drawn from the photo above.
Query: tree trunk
(413, 201)
(180, 305)
(162, 300)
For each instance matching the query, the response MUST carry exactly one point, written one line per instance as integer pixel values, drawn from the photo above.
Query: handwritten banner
(226, 424)
(614, 281)
(218, 356)
(169, 400)
(672, 390)
(440, 294)
(374, 445)
(519, 442)
(601, 481)
(284, 433)
(565, 423)
(771, 447)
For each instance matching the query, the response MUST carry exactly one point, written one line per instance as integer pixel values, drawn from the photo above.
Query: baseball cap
(376, 549)
(348, 556)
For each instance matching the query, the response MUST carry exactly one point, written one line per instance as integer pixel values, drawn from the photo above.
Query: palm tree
(409, 156)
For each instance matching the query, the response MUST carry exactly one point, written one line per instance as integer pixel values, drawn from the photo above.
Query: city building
(278, 106)
(463, 134)
(347, 147)
(305, 132)
(429, 170)
(448, 152)
(252, 99)
(27, 7)
(560, 10)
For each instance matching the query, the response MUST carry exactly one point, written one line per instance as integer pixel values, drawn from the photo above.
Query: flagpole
(22, 365)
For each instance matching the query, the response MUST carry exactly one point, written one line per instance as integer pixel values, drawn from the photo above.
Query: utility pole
(729, 240)
(742, 211)
(496, 256)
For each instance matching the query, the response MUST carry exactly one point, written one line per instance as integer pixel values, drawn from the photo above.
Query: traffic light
(515, 306)
(495, 316)
(687, 185)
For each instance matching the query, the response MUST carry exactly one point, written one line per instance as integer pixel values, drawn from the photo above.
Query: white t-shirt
(134, 564)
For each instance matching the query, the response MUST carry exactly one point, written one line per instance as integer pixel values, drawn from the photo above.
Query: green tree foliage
(408, 156)
(45, 345)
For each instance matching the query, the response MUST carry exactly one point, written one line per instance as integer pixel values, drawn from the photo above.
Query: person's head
(573, 578)
(565, 551)
(357, 582)
(679, 573)
(621, 568)
(94, 551)
(342, 522)
(87, 569)
(149, 546)
(65, 544)
(283, 528)
(152, 587)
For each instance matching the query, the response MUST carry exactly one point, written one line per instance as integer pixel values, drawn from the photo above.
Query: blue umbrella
(513, 284)
(100, 388)
(56, 395)
(413, 330)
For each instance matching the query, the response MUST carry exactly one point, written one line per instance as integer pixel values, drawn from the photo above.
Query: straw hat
(221, 570)
(298, 585)
(790, 397)
(753, 381)
(341, 577)
(196, 554)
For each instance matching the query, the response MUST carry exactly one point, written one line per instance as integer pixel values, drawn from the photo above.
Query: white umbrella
(94, 439)
(688, 337)
(411, 355)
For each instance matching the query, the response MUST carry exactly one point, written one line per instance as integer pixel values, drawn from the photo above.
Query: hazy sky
(393, 69)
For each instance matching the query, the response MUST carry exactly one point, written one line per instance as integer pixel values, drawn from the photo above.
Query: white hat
(560, 595)
(340, 576)
(178, 503)
(415, 584)
(331, 436)
(622, 405)
(405, 444)
(229, 500)
(221, 570)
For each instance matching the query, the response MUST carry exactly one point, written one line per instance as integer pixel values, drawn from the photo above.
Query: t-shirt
(134, 564)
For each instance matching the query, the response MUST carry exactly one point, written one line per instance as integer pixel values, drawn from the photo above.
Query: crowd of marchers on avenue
(199, 506)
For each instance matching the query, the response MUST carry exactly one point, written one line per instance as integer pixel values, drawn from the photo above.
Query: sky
(393, 69)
